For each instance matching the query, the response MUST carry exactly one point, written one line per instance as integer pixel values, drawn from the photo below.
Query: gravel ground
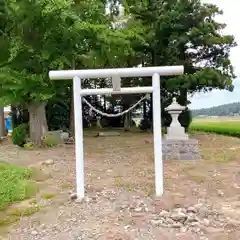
(201, 199)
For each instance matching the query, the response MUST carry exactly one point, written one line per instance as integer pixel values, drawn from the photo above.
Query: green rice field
(224, 126)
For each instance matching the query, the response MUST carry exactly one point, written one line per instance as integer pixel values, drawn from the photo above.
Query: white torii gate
(116, 74)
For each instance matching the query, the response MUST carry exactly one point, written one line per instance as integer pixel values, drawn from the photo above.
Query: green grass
(225, 127)
(15, 184)
(26, 211)
(16, 213)
(48, 195)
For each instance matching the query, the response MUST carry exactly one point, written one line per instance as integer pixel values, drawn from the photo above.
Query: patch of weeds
(99, 150)
(67, 185)
(207, 155)
(31, 188)
(7, 220)
(33, 201)
(129, 186)
(219, 156)
(192, 132)
(25, 211)
(48, 195)
(188, 168)
(15, 215)
(28, 146)
(15, 184)
(149, 190)
(197, 177)
(119, 183)
(226, 157)
(149, 173)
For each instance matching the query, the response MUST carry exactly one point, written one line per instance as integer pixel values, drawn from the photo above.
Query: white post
(78, 137)
(157, 134)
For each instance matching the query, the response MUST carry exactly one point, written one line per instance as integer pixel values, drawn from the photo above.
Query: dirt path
(201, 200)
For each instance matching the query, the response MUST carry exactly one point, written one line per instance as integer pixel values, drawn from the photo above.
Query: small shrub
(28, 145)
(20, 134)
(145, 124)
(185, 118)
(133, 124)
(67, 185)
(166, 119)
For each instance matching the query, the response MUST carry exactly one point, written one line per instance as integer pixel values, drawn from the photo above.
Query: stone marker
(55, 135)
(107, 134)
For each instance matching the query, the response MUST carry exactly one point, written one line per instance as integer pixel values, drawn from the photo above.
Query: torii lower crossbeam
(78, 75)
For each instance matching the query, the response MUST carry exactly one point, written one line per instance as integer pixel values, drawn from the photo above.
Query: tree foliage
(39, 35)
(185, 32)
(43, 35)
(46, 35)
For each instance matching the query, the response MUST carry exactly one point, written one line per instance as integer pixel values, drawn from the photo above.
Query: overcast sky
(231, 17)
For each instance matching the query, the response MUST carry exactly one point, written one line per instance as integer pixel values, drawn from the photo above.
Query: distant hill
(231, 109)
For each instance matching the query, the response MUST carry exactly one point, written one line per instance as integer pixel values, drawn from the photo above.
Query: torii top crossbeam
(121, 72)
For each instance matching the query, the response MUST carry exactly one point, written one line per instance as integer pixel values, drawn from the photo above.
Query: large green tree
(183, 32)
(186, 32)
(44, 35)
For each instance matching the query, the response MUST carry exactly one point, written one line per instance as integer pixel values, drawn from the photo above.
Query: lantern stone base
(180, 149)
(174, 132)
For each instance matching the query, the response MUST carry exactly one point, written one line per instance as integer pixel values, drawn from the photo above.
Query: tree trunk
(14, 116)
(104, 103)
(25, 116)
(2, 123)
(71, 116)
(128, 121)
(37, 122)
(144, 109)
(183, 96)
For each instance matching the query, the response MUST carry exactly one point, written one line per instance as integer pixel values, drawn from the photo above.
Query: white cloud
(231, 17)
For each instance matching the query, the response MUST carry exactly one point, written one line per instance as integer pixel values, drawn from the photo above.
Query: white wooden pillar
(157, 134)
(78, 137)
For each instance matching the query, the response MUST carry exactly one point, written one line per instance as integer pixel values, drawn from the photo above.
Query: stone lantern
(175, 131)
(98, 124)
